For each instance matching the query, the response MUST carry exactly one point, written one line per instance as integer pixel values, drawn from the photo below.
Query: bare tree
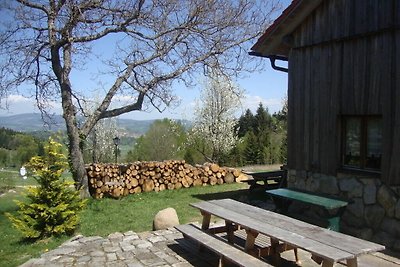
(144, 45)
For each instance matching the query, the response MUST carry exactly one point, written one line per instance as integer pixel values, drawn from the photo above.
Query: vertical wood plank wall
(345, 61)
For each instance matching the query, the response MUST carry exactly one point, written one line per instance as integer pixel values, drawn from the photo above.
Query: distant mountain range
(32, 122)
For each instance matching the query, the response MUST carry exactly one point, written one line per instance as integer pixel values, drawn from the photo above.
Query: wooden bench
(266, 180)
(333, 207)
(226, 251)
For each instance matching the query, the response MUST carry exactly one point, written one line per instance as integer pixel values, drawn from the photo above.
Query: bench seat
(332, 206)
(225, 250)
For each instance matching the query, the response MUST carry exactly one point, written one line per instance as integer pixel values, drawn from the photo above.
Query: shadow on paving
(203, 258)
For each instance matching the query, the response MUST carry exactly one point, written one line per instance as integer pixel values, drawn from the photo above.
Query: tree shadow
(242, 195)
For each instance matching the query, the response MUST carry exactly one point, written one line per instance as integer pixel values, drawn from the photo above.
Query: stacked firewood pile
(120, 180)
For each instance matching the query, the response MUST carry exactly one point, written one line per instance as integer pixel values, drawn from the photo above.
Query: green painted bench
(332, 206)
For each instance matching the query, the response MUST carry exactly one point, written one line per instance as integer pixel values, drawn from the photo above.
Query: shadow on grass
(235, 194)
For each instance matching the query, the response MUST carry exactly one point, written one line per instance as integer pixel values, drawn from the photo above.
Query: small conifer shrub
(54, 205)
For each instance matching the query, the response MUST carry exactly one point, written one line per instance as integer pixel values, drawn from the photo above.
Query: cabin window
(362, 142)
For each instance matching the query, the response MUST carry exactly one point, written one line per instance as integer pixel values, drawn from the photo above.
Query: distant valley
(32, 122)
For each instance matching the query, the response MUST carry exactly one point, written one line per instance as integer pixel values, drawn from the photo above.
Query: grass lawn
(10, 178)
(105, 216)
(13, 249)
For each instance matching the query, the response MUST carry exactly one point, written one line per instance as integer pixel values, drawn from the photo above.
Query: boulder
(165, 219)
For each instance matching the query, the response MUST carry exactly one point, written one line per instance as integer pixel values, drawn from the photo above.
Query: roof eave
(273, 42)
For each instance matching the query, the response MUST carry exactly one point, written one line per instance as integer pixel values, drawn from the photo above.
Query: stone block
(300, 184)
(366, 233)
(360, 232)
(396, 246)
(356, 208)
(374, 215)
(328, 185)
(369, 194)
(352, 221)
(384, 238)
(353, 187)
(313, 184)
(115, 236)
(397, 210)
(387, 198)
(391, 226)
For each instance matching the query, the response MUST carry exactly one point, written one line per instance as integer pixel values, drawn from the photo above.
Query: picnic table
(284, 232)
(266, 179)
(333, 207)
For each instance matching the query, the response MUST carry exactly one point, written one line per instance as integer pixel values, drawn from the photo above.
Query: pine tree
(252, 151)
(246, 123)
(54, 206)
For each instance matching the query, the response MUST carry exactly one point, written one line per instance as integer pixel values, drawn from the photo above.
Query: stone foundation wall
(375, 212)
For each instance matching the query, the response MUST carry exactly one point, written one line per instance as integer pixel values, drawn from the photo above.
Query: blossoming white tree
(213, 132)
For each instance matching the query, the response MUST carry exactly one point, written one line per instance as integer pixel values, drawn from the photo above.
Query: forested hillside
(17, 148)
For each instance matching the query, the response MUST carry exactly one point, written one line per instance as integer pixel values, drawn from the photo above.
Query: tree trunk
(77, 164)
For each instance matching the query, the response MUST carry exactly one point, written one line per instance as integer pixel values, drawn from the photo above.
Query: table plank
(338, 240)
(288, 237)
(316, 200)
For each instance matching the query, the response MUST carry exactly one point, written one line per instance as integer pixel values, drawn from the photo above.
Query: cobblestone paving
(159, 248)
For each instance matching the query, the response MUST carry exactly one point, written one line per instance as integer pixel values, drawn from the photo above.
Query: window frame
(364, 121)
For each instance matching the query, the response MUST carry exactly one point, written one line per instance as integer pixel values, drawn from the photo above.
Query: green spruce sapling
(53, 205)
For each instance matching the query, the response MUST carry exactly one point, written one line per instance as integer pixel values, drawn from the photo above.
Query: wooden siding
(356, 73)
(340, 19)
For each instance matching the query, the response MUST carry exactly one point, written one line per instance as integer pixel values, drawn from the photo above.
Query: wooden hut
(344, 106)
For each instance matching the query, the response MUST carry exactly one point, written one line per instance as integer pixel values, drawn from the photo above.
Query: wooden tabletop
(322, 242)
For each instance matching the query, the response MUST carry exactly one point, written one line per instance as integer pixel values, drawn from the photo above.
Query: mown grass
(14, 250)
(10, 178)
(106, 216)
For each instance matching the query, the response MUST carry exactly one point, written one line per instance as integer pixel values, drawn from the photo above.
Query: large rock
(165, 219)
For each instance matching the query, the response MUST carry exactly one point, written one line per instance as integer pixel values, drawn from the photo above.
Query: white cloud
(252, 101)
(18, 104)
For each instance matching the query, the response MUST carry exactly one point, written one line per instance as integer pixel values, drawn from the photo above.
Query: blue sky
(267, 86)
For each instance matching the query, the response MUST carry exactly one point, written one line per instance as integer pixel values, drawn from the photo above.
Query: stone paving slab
(118, 249)
(158, 248)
